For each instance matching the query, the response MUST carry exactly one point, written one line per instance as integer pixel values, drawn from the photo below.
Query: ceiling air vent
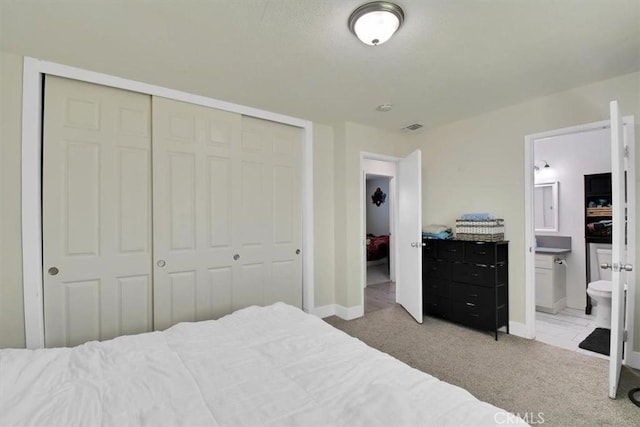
(414, 126)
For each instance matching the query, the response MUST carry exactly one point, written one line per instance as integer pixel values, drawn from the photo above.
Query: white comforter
(259, 366)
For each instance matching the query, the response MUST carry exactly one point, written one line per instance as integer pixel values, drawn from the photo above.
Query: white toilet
(600, 293)
(600, 290)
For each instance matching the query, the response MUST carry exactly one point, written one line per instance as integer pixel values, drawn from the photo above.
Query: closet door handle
(236, 257)
(161, 263)
(53, 271)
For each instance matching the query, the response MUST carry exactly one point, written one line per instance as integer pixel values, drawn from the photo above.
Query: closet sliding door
(157, 211)
(195, 156)
(226, 212)
(96, 212)
(270, 210)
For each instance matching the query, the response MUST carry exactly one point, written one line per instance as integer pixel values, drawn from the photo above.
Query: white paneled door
(227, 212)
(623, 243)
(96, 212)
(409, 239)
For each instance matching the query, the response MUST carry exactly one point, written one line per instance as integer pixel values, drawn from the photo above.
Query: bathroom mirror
(546, 206)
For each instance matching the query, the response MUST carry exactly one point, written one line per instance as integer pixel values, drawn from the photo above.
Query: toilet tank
(599, 255)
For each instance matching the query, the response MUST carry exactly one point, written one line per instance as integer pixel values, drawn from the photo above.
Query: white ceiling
(451, 59)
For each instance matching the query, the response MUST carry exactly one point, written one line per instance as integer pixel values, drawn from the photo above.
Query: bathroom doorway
(563, 266)
(622, 318)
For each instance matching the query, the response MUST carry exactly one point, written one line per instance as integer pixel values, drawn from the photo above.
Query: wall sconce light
(537, 168)
(374, 23)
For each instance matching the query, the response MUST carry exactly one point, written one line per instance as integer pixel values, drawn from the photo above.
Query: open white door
(619, 266)
(409, 239)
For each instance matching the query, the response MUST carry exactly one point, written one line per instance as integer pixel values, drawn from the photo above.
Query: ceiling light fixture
(374, 23)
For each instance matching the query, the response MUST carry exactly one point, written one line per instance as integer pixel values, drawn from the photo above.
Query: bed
(377, 247)
(270, 365)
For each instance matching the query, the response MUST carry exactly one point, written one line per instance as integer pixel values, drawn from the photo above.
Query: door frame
(32, 105)
(630, 357)
(393, 213)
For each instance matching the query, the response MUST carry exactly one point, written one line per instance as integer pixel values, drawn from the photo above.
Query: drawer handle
(434, 268)
(473, 314)
(481, 253)
(475, 275)
(453, 250)
(470, 304)
(473, 295)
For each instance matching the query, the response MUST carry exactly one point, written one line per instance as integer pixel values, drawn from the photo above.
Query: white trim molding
(349, 313)
(33, 74)
(324, 311)
(633, 359)
(345, 313)
(519, 329)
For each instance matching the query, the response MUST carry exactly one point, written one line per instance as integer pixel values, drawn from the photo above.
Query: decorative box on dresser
(467, 282)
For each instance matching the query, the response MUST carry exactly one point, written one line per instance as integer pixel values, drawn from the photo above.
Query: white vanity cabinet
(551, 289)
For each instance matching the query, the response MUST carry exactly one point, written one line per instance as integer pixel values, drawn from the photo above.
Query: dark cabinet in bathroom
(597, 208)
(598, 223)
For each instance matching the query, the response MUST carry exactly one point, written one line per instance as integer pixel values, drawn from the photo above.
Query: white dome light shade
(374, 23)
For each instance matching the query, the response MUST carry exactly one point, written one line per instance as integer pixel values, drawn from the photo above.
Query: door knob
(605, 266)
(627, 267)
(236, 257)
(297, 251)
(53, 271)
(161, 263)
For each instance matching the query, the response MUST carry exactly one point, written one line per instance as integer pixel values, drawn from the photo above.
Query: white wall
(377, 216)
(323, 215)
(570, 157)
(11, 301)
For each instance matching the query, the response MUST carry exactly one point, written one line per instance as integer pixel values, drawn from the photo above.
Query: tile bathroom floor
(566, 329)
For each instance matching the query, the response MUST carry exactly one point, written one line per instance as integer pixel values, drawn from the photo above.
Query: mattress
(258, 366)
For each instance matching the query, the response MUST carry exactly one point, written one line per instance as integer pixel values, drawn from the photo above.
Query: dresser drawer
(480, 274)
(428, 248)
(472, 315)
(450, 250)
(472, 295)
(436, 269)
(437, 306)
(436, 287)
(479, 252)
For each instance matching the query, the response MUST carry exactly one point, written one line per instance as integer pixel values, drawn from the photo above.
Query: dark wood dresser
(467, 282)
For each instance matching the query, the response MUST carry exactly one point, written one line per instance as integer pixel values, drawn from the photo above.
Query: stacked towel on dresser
(477, 216)
(437, 231)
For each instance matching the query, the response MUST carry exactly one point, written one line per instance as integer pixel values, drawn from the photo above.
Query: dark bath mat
(598, 341)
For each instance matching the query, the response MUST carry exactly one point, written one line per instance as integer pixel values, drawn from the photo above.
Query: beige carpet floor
(527, 377)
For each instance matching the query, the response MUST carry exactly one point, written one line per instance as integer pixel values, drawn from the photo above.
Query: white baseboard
(520, 330)
(345, 313)
(633, 359)
(324, 311)
(349, 313)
